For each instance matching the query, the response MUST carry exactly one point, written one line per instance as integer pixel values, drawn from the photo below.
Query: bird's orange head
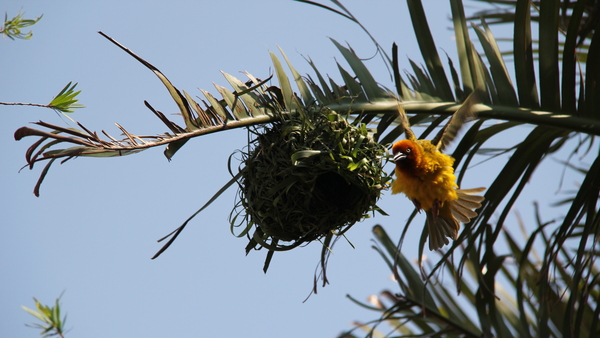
(406, 153)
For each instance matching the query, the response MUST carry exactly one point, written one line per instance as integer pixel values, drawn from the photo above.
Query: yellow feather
(431, 178)
(426, 177)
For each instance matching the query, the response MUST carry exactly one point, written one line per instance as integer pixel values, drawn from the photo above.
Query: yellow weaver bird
(426, 176)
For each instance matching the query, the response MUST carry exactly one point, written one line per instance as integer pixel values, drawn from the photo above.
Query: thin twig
(25, 104)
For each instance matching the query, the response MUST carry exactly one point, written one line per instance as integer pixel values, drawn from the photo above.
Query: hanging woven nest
(307, 176)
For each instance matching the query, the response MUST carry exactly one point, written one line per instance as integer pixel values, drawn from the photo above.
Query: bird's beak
(399, 157)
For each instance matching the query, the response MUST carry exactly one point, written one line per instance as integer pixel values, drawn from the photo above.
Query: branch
(25, 104)
(64, 102)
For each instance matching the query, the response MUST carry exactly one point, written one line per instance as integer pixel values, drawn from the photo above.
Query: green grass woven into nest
(309, 175)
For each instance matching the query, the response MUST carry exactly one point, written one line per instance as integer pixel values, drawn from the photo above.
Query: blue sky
(93, 230)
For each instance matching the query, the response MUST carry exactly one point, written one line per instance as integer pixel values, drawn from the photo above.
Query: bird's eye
(408, 150)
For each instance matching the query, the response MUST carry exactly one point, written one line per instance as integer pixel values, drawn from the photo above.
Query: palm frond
(250, 103)
(518, 306)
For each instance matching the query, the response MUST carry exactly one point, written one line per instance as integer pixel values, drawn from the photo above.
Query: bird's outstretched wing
(464, 114)
(405, 123)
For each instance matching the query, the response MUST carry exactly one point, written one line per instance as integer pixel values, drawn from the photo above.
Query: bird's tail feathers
(462, 210)
(440, 229)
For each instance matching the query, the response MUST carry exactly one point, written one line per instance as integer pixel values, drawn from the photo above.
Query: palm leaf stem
(513, 114)
(158, 140)
(93, 143)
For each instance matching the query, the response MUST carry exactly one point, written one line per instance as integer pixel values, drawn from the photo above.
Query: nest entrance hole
(334, 194)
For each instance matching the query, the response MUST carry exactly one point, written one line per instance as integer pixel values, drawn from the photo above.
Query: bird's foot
(417, 205)
(435, 208)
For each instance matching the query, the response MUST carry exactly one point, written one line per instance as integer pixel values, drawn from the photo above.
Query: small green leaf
(33, 313)
(65, 101)
(299, 155)
(52, 325)
(12, 28)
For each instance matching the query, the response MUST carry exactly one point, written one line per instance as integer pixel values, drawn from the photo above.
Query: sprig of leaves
(12, 28)
(52, 324)
(65, 101)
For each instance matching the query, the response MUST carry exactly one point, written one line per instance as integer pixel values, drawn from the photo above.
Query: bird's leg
(435, 208)
(417, 205)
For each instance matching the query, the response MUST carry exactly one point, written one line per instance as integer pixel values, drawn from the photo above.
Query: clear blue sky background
(93, 230)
